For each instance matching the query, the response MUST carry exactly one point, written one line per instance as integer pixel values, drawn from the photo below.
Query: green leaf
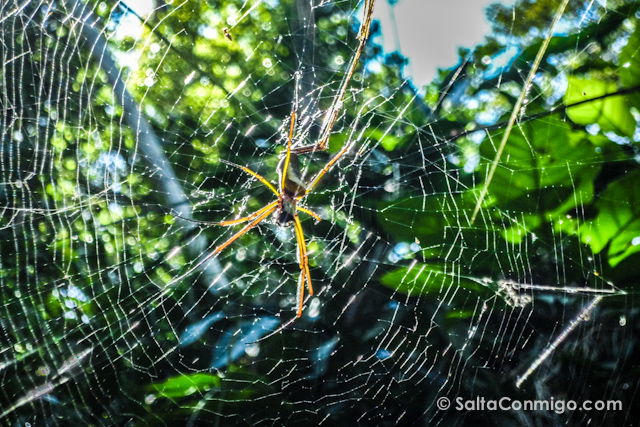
(519, 230)
(460, 314)
(336, 142)
(630, 60)
(414, 217)
(185, 385)
(424, 279)
(611, 114)
(543, 172)
(387, 141)
(618, 221)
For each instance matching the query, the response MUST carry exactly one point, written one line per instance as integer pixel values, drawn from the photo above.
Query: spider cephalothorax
(291, 189)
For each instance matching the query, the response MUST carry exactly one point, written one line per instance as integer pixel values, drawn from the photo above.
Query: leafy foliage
(102, 303)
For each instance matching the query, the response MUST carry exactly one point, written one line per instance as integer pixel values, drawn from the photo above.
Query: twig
(516, 111)
(558, 109)
(581, 317)
(331, 116)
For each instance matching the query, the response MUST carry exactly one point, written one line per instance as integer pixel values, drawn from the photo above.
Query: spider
(292, 190)
(285, 208)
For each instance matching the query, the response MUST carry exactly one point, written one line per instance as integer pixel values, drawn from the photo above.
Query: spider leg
(326, 169)
(287, 158)
(300, 294)
(248, 217)
(320, 146)
(255, 175)
(310, 213)
(246, 228)
(305, 275)
(228, 222)
(302, 253)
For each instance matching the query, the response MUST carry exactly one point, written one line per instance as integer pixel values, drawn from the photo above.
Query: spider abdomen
(286, 210)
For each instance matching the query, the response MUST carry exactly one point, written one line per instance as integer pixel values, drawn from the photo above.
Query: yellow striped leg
(244, 230)
(248, 217)
(305, 275)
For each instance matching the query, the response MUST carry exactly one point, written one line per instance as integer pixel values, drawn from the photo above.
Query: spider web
(117, 130)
